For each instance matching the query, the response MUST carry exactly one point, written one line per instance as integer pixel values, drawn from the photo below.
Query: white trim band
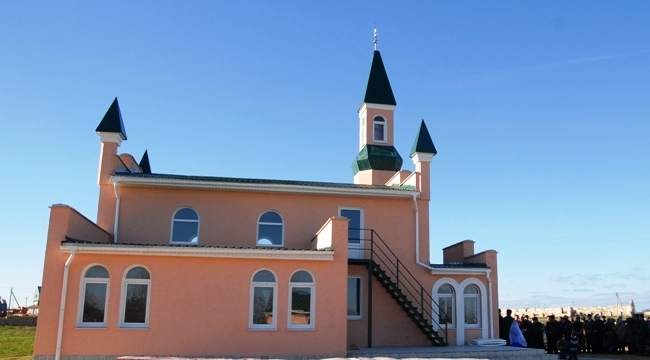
(268, 188)
(116, 249)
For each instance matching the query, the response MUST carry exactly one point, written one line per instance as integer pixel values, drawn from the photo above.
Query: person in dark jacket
(552, 335)
(507, 322)
(577, 328)
(599, 332)
(589, 332)
(536, 334)
(640, 334)
(525, 328)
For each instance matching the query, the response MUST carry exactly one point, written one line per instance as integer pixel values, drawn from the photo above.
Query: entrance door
(355, 234)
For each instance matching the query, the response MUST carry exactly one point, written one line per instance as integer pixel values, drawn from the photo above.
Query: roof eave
(270, 188)
(191, 251)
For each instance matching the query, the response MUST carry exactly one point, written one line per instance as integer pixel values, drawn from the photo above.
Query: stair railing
(380, 253)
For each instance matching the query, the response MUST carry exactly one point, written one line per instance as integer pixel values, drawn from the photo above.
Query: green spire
(112, 121)
(423, 142)
(378, 90)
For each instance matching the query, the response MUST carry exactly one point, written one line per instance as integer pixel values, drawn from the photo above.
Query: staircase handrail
(407, 283)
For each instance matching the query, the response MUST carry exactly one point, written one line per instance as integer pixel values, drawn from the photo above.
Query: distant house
(219, 266)
(37, 296)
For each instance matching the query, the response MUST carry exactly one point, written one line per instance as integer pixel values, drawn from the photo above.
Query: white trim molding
(263, 188)
(365, 106)
(148, 250)
(460, 306)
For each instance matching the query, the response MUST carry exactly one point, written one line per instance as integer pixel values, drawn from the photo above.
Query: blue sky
(539, 111)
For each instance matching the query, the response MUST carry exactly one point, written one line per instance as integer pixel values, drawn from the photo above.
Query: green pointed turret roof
(112, 121)
(144, 163)
(423, 142)
(378, 90)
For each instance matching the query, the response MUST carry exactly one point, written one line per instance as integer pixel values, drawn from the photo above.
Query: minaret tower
(111, 134)
(378, 160)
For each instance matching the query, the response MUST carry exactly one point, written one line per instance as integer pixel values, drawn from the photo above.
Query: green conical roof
(112, 121)
(423, 142)
(144, 163)
(378, 90)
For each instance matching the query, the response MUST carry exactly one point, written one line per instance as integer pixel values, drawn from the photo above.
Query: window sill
(263, 329)
(87, 327)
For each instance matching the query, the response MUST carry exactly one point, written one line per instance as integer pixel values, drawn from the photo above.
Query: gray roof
(217, 179)
(71, 241)
(460, 265)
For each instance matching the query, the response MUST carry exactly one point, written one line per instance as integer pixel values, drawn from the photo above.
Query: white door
(355, 232)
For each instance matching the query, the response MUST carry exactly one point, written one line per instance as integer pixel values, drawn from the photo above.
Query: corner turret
(111, 134)
(422, 154)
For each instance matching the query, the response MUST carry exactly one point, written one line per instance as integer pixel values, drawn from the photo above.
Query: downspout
(64, 291)
(417, 233)
(490, 319)
(117, 213)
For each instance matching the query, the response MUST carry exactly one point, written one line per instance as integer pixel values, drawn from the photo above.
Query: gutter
(489, 309)
(117, 213)
(64, 292)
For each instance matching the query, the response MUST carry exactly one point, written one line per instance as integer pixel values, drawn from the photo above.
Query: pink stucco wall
(198, 306)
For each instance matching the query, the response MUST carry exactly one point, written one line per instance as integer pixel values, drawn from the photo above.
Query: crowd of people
(569, 336)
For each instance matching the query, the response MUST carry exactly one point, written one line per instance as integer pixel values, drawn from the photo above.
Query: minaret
(111, 134)
(378, 160)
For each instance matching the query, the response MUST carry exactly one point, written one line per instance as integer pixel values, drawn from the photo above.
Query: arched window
(134, 309)
(471, 297)
(446, 305)
(185, 226)
(301, 306)
(263, 301)
(270, 229)
(94, 295)
(379, 129)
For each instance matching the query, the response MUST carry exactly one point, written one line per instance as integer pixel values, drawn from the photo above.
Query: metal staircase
(402, 286)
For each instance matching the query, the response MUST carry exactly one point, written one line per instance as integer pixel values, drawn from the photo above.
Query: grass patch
(17, 342)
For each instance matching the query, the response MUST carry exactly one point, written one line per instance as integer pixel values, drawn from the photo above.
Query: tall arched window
(379, 129)
(301, 306)
(185, 226)
(93, 299)
(472, 301)
(134, 309)
(263, 301)
(270, 229)
(446, 305)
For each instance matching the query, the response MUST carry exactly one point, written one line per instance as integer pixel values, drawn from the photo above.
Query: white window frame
(312, 302)
(360, 298)
(453, 304)
(476, 296)
(82, 297)
(274, 285)
(125, 283)
(384, 123)
(198, 227)
(257, 238)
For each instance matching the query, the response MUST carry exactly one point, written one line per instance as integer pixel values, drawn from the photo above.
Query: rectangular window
(135, 307)
(94, 303)
(446, 308)
(263, 305)
(471, 310)
(301, 306)
(354, 298)
(379, 132)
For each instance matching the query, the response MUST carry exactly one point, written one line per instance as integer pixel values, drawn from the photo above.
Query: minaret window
(379, 129)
